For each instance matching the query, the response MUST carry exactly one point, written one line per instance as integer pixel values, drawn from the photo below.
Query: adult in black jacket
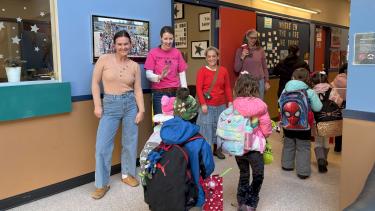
(286, 67)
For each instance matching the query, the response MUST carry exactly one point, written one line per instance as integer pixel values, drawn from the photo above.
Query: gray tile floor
(281, 190)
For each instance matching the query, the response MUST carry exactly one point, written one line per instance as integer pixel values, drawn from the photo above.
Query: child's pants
(321, 147)
(298, 150)
(249, 194)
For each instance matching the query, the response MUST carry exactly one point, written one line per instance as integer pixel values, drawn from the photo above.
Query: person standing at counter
(250, 57)
(165, 68)
(122, 103)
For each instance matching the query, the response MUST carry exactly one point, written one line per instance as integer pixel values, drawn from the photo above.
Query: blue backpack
(294, 108)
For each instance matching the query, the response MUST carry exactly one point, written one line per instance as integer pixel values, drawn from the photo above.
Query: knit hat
(167, 109)
(185, 105)
(167, 105)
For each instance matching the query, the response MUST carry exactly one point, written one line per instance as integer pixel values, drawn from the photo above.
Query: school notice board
(276, 34)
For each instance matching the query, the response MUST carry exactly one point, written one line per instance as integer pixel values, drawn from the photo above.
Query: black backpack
(171, 187)
(330, 110)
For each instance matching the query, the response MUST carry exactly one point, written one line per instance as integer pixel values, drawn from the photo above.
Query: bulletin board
(276, 34)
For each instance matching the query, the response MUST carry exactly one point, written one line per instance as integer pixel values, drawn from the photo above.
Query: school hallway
(281, 190)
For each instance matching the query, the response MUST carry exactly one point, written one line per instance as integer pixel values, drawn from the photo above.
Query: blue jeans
(261, 89)
(116, 109)
(208, 122)
(156, 100)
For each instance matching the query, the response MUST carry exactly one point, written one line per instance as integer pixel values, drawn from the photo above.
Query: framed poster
(204, 21)
(104, 28)
(364, 49)
(198, 48)
(335, 38)
(178, 10)
(180, 34)
(334, 59)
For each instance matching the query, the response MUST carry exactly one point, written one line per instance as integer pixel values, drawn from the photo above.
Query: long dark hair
(166, 29)
(121, 33)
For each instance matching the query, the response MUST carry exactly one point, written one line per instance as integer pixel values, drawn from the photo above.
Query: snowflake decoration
(42, 14)
(36, 49)
(19, 19)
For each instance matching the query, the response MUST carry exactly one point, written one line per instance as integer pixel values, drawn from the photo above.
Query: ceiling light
(292, 6)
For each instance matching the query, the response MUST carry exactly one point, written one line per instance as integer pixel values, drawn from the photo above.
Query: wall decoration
(104, 28)
(178, 10)
(335, 59)
(180, 34)
(198, 48)
(204, 21)
(335, 38)
(278, 33)
(364, 48)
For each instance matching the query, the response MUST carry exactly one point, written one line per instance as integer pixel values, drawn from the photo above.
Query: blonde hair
(212, 48)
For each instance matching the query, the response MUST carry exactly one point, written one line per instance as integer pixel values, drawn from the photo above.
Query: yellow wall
(332, 11)
(38, 152)
(358, 158)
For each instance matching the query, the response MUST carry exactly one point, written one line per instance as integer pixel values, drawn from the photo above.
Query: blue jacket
(177, 131)
(315, 103)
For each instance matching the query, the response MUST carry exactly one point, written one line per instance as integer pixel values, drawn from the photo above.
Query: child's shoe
(322, 166)
(245, 208)
(302, 176)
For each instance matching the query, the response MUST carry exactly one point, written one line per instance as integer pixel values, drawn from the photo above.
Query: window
(26, 34)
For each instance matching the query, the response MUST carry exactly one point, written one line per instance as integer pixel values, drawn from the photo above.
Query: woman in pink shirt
(250, 57)
(165, 68)
(122, 103)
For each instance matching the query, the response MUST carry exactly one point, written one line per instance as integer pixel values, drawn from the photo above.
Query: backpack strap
(195, 137)
(327, 94)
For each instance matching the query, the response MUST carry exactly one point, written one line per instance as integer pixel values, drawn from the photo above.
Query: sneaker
(302, 176)
(99, 192)
(287, 169)
(218, 153)
(131, 181)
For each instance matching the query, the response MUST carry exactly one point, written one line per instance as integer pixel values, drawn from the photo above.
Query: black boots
(321, 156)
(338, 143)
(218, 152)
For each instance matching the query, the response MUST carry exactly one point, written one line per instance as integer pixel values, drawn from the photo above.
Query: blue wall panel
(361, 78)
(76, 36)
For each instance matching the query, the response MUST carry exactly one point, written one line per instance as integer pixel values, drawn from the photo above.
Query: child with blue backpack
(296, 102)
(249, 105)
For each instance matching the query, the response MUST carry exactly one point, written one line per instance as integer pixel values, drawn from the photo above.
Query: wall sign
(205, 21)
(180, 33)
(364, 49)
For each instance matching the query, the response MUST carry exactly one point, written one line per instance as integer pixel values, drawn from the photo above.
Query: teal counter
(33, 100)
